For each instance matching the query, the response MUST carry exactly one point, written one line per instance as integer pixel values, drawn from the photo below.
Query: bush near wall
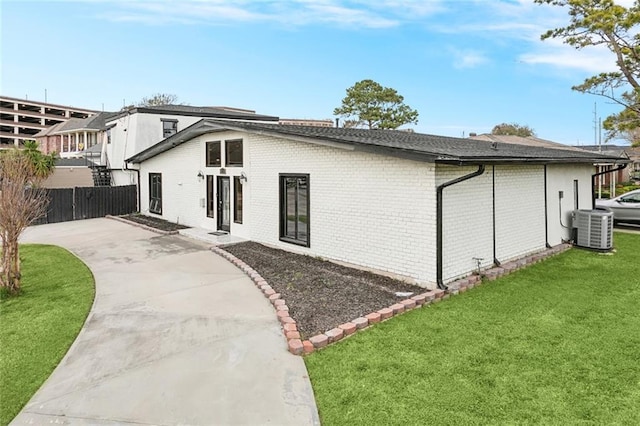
(621, 188)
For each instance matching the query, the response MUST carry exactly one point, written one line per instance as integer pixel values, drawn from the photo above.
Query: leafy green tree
(369, 104)
(605, 23)
(42, 164)
(513, 129)
(633, 136)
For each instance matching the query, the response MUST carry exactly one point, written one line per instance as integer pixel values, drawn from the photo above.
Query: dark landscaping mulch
(154, 222)
(321, 295)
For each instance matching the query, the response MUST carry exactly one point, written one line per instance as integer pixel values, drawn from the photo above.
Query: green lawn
(37, 328)
(556, 343)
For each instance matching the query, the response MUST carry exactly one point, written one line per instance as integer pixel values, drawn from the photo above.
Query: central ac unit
(594, 229)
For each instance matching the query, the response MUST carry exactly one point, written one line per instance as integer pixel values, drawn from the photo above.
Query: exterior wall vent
(594, 229)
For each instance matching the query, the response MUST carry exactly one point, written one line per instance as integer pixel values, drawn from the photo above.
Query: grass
(37, 327)
(556, 343)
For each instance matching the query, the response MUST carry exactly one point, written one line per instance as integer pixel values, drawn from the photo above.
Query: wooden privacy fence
(66, 204)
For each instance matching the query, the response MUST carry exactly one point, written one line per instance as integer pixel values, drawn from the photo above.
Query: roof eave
(542, 160)
(220, 115)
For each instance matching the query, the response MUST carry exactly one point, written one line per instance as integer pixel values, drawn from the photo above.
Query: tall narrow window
(211, 199)
(237, 199)
(155, 193)
(213, 154)
(576, 197)
(169, 127)
(233, 153)
(294, 209)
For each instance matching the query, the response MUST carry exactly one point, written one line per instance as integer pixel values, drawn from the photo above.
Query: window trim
(172, 121)
(211, 204)
(237, 189)
(206, 153)
(283, 209)
(158, 210)
(227, 163)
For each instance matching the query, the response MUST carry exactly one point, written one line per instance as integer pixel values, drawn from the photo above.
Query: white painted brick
(467, 221)
(376, 211)
(519, 210)
(560, 178)
(366, 209)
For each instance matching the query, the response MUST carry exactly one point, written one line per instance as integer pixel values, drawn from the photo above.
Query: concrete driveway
(176, 336)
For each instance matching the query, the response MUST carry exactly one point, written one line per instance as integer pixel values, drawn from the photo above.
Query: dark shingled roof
(93, 122)
(198, 111)
(397, 143)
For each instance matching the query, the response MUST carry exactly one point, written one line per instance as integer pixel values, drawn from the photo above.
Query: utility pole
(595, 124)
(599, 134)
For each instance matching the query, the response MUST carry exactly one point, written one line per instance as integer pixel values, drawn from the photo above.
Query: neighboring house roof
(520, 140)
(607, 149)
(397, 143)
(213, 112)
(49, 130)
(634, 153)
(95, 149)
(94, 122)
(74, 162)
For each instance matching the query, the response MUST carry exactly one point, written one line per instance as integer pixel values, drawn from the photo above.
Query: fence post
(73, 205)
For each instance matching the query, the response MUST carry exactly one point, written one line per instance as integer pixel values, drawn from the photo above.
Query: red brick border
(299, 347)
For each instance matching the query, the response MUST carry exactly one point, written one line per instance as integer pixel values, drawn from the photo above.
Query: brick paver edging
(140, 225)
(299, 347)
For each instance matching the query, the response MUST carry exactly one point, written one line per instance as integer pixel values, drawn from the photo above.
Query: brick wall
(49, 144)
(467, 221)
(376, 211)
(468, 216)
(366, 209)
(560, 177)
(519, 211)
(181, 188)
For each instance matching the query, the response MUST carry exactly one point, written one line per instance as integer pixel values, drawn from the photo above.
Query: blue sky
(465, 65)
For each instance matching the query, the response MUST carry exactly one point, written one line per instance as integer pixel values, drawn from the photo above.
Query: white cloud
(553, 52)
(593, 60)
(346, 16)
(354, 13)
(520, 24)
(468, 58)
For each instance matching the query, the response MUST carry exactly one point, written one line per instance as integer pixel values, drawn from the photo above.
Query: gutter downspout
(593, 182)
(496, 262)
(546, 211)
(126, 167)
(439, 230)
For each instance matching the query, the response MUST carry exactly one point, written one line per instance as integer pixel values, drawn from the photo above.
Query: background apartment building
(22, 119)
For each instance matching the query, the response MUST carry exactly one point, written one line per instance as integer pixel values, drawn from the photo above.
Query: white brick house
(367, 197)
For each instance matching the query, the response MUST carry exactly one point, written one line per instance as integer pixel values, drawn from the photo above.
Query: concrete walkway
(176, 336)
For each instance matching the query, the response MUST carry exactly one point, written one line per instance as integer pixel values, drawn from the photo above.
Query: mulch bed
(321, 295)
(154, 222)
